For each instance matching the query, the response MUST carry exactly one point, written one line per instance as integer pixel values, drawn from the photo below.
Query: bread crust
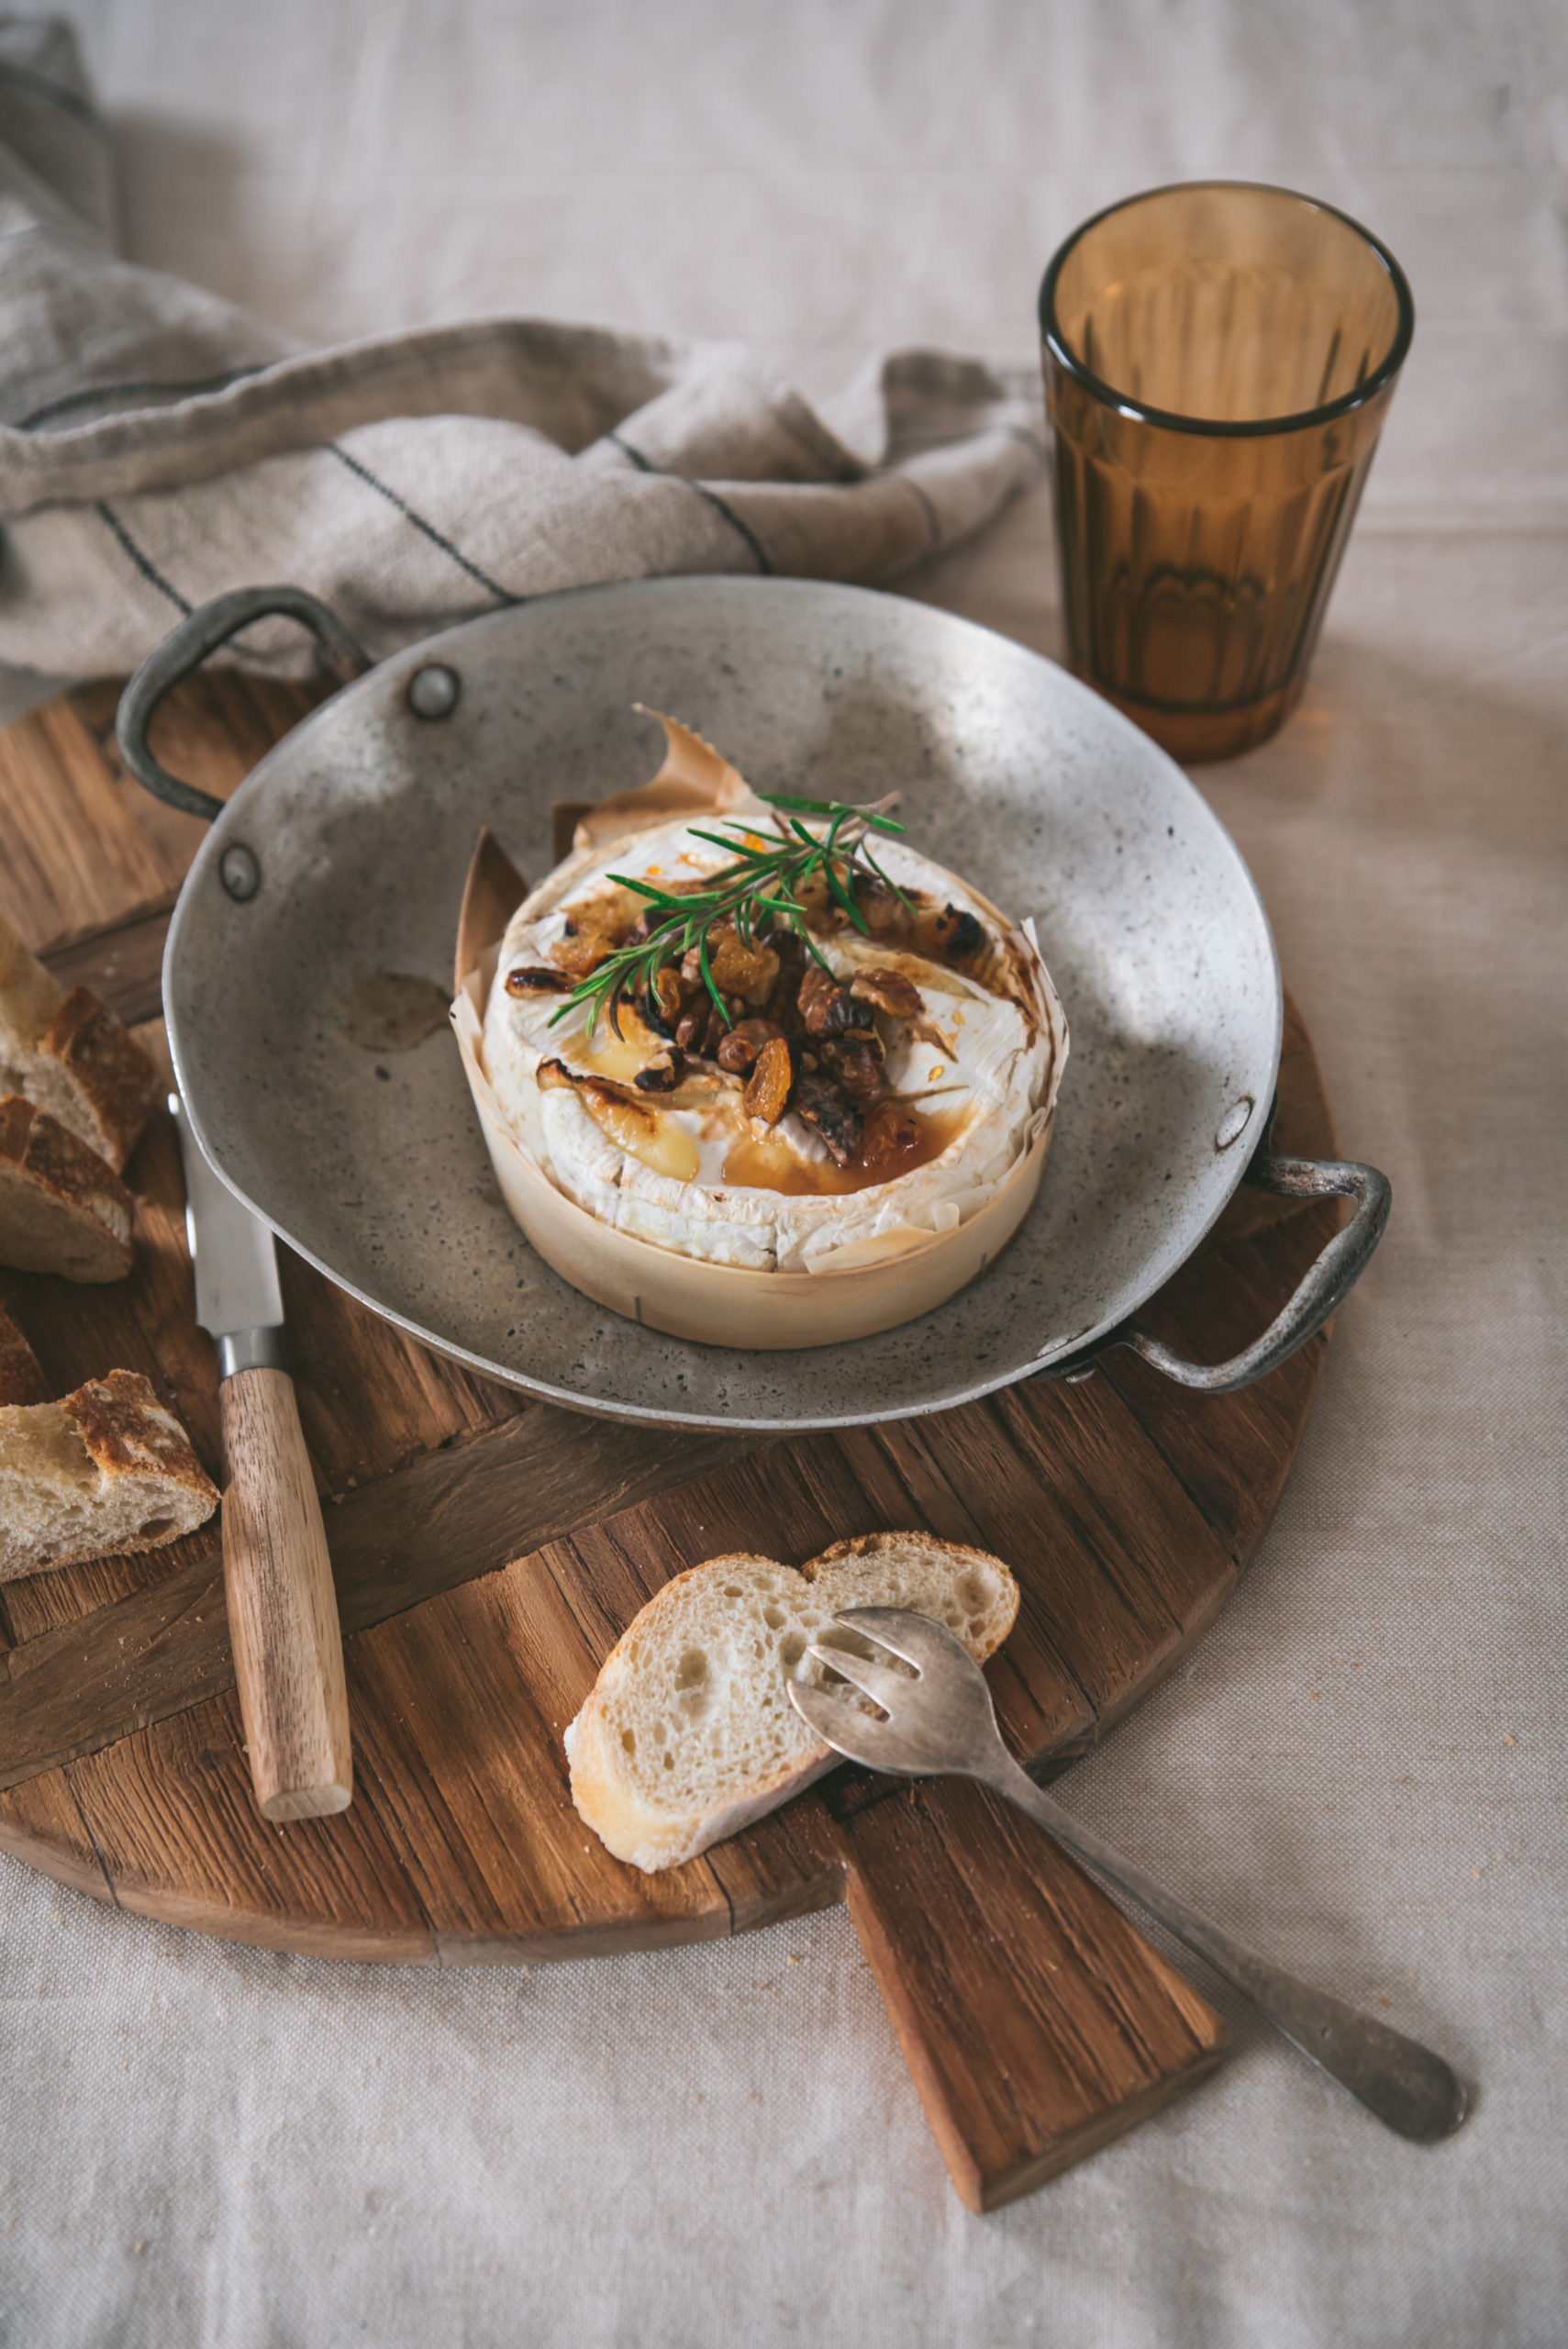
(129, 1432)
(21, 1380)
(69, 1055)
(67, 1211)
(100, 1063)
(135, 1445)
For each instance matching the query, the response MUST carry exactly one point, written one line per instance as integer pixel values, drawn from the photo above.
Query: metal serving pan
(344, 855)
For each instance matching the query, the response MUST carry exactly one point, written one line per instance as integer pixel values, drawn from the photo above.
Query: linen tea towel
(158, 446)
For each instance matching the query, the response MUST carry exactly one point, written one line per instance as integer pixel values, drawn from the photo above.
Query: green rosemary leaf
(908, 903)
(843, 897)
(650, 889)
(708, 983)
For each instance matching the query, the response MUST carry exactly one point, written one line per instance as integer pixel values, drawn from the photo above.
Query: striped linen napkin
(158, 445)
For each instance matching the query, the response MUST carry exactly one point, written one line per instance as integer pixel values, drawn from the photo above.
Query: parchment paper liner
(891, 1279)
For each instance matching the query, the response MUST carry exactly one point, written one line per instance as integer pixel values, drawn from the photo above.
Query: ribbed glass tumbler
(1218, 361)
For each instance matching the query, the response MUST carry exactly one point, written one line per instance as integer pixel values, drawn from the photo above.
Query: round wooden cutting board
(488, 1552)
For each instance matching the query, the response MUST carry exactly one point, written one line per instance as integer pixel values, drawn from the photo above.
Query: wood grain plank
(74, 853)
(123, 963)
(42, 1824)
(79, 1684)
(172, 1816)
(1036, 2022)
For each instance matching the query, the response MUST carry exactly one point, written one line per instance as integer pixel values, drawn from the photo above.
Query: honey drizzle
(773, 1165)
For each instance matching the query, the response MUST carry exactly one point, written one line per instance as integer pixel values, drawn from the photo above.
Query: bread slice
(62, 1208)
(108, 1469)
(689, 1734)
(69, 1055)
(21, 1380)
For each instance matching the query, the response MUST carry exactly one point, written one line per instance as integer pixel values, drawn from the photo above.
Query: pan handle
(1327, 1283)
(187, 646)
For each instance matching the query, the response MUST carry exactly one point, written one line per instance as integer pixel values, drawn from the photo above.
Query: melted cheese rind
(994, 1079)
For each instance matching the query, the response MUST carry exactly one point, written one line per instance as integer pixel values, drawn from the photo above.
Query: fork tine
(874, 1744)
(927, 1646)
(878, 1681)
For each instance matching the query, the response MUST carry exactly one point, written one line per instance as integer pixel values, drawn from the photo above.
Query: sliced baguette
(21, 1380)
(688, 1734)
(106, 1470)
(69, 1055)
(62, 1208)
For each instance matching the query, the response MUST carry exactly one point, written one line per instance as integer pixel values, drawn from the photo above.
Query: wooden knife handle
(1037, 2021)
(283, 1609)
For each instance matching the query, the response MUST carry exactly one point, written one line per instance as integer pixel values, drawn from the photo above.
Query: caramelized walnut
(826, 1111)
(739, 1049)
(768, 1087)
(890, 991)
(828, 1008)
(784, 1001)
(854, 1064)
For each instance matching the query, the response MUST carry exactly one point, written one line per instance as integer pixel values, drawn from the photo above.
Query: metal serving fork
(941, 1722)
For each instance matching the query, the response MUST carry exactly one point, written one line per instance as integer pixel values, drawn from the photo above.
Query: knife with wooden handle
(283, 1609)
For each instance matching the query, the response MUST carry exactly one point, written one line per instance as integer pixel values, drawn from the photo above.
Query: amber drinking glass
(1218, 361)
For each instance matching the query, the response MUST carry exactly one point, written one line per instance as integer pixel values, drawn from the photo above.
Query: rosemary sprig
(758, 880)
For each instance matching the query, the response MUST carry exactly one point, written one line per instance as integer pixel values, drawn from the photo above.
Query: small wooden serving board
(488, 1550)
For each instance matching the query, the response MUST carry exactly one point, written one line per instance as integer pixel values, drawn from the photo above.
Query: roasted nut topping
(828, 1008)
(854, 1065)
(738, 1050)
(662, 1073)
(768, 1087)
(826, 1112)
(890, 991)
(784, 1002)
(531, 979)
(690, 1029)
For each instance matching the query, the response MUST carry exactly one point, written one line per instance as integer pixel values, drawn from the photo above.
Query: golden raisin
(768, 1087)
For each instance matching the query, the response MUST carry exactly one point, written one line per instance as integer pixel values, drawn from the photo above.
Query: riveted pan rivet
(239, 871)
(433, 691)
(1234, 1123)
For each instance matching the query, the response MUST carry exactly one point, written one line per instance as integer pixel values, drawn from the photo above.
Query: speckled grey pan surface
(362, 822)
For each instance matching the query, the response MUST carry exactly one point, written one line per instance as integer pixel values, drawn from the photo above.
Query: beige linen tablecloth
(1362, 1765)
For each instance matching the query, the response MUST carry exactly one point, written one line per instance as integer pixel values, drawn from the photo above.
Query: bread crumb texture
(689, 1733)
(107, 1470)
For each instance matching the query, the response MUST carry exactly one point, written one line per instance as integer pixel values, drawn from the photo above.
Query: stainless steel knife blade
(239, 1301)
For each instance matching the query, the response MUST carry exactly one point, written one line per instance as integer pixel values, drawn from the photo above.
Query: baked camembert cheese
(848, 1060)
